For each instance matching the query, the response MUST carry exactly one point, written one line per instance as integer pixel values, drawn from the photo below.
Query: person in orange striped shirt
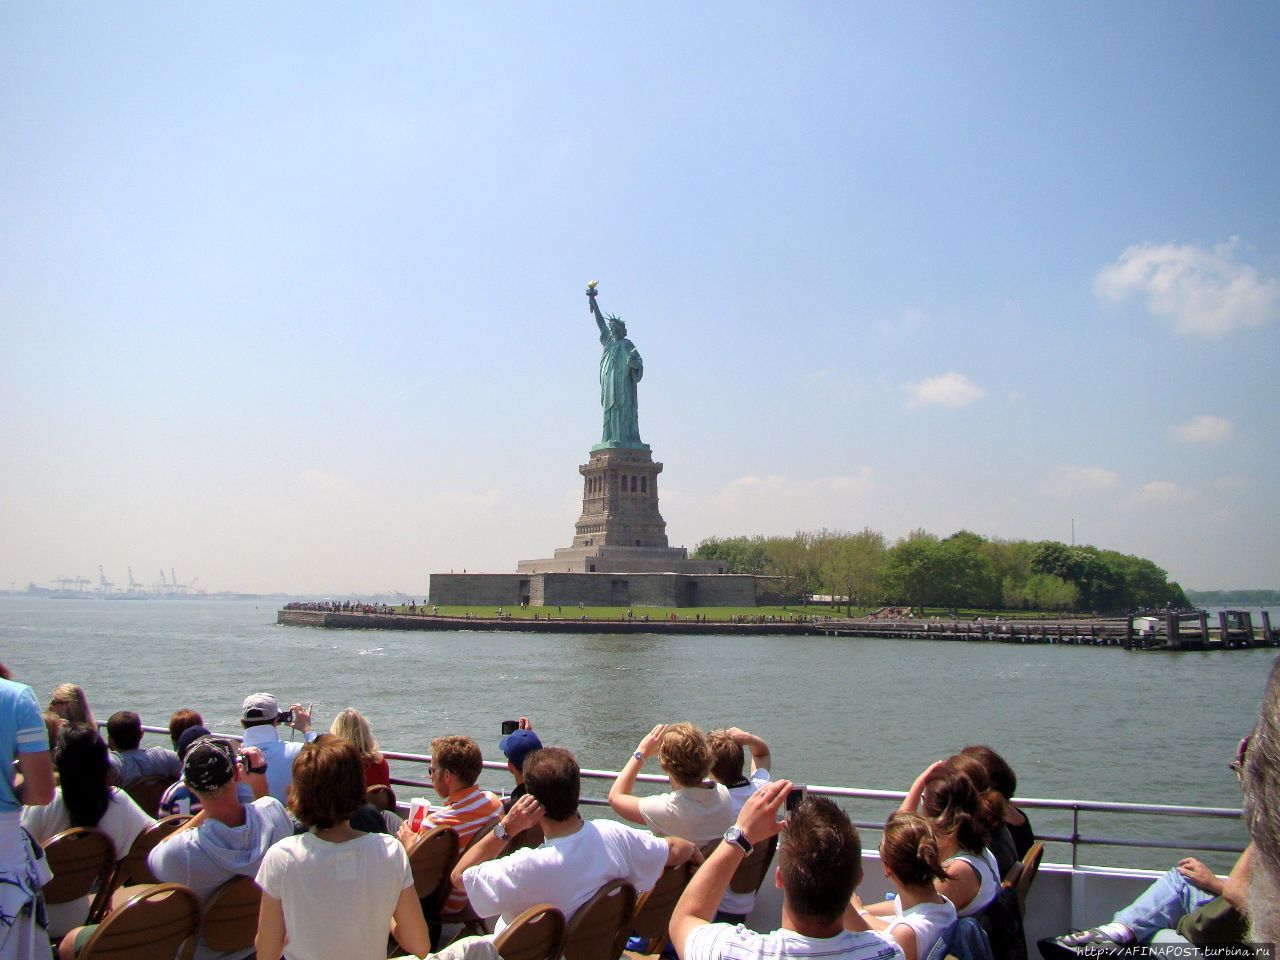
(456, 763)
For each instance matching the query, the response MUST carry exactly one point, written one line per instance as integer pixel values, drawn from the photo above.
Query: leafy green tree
(791, 560)
(911, 569)
(738, 554)
(968, 577)
(849, 564)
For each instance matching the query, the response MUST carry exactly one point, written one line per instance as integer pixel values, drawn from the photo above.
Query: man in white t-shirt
(575, 860)
(727, 768)
(694, 810)
(819, 865)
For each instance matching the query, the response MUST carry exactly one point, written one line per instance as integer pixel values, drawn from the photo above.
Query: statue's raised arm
(595, 308)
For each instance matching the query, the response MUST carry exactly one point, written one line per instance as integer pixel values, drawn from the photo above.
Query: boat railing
(1075, 839)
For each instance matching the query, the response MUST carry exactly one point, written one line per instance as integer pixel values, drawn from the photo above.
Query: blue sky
(291, 298)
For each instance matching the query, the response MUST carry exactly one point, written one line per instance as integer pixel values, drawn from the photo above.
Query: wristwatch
(500, 831)
(639, 756)
(739, 839)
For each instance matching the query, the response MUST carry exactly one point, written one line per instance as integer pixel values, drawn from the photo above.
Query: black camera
(286, 717)
(509, 727)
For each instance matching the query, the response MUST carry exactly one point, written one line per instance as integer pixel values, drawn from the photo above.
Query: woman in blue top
(23, 870)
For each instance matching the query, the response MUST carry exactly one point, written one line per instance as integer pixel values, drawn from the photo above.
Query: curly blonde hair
(684, 754)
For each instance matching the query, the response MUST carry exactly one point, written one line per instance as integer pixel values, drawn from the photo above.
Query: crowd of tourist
(314, 823)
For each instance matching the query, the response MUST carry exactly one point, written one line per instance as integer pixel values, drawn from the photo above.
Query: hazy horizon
(292, 296)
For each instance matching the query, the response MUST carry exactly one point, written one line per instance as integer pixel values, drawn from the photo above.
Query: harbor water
(1084, 723)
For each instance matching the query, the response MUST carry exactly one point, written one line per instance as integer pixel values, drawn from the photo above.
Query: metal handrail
(1075, 807)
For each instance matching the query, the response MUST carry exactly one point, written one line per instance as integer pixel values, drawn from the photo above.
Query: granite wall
(593, 589)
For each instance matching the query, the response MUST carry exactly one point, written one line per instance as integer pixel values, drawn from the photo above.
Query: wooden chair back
(82, 860)
(133, 865)
(654, 907)
(598, 931)
(752, 870)
(147, 791)
(382, 797)
(537, 934)
(151, 925)
(1030, 867)
(229, 921)
(431, 859)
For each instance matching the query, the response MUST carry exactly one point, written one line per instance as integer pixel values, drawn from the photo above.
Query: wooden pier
(1171, 631)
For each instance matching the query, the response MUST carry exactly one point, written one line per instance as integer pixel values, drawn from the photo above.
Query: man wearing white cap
(260, 717)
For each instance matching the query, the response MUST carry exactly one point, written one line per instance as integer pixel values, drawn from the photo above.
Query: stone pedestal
(620, 501)
(620, 529)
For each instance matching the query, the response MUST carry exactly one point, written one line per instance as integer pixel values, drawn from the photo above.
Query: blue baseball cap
(519, 744)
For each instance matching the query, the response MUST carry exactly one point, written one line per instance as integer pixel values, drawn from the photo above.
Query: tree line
(962, 571)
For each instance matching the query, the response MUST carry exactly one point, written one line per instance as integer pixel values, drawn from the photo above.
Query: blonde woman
(351, 725)
(70, 703)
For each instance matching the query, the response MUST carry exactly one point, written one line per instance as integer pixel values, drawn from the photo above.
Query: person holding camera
(261, 718)
(518, 741)
(819, 866)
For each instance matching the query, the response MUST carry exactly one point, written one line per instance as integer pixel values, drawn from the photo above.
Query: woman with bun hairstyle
(912, 860)
(1005, 782)
(992, 810)
(948, 798)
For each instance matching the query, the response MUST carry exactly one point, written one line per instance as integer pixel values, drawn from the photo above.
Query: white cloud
(1157, 493)
(1071, 480)
(1204, 429)
(1204, 291)
(945, 390)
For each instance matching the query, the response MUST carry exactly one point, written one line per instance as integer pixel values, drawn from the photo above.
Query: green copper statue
(620, 370)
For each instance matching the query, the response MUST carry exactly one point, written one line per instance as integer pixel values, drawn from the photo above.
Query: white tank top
(928, 920)
(988, 881)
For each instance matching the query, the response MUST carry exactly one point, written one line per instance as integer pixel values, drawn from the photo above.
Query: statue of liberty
(620, 370)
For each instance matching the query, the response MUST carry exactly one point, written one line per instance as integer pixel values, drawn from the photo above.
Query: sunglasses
(1242, 751)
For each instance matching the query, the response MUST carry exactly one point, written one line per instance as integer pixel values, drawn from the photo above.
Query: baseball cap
(188, 737)
(519, 744)
(259, 706)
(210, 763)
